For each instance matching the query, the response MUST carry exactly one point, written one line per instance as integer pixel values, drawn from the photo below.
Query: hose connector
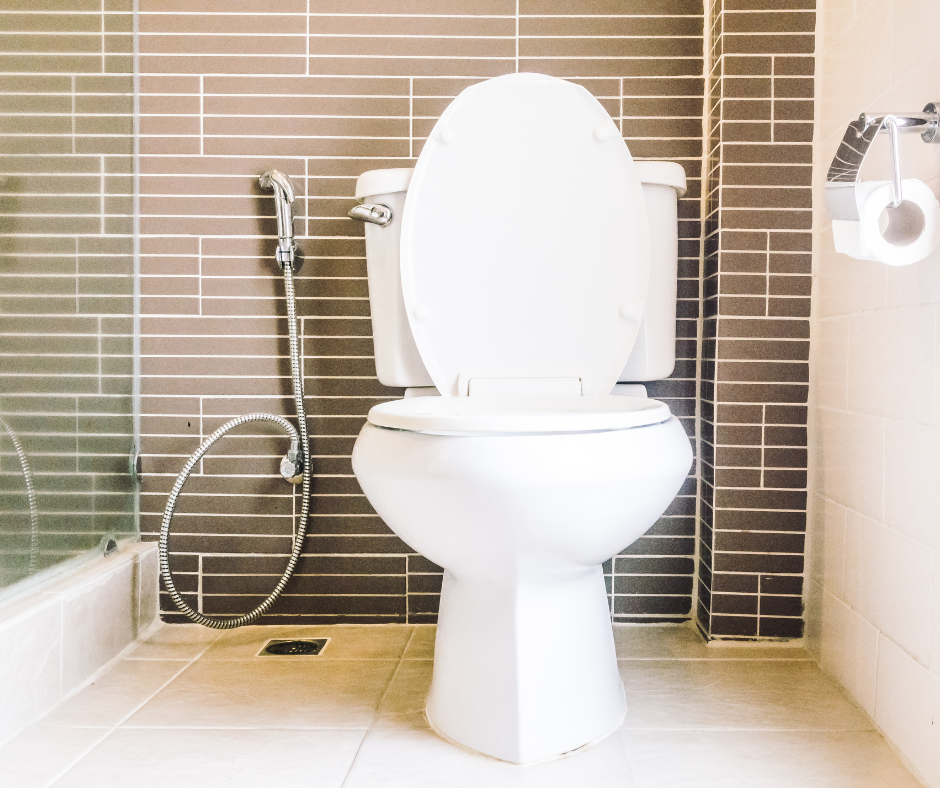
(292, 464)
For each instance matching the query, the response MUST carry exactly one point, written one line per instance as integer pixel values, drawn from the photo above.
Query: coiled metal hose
(300, 456)
(30, 496)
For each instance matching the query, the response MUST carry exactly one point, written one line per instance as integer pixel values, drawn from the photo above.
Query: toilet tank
(397, 360)
(654, 355)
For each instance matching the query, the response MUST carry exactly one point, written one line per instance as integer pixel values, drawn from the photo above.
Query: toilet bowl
(521, 282)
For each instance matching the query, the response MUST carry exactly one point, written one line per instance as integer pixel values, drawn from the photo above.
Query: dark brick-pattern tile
(351, 89)
(755, 344)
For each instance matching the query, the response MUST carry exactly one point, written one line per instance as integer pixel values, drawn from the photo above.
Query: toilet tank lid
(383, 182)
(661, 173)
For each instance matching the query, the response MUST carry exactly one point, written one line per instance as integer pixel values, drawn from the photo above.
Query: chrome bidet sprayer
(283, 197)
(295, 467)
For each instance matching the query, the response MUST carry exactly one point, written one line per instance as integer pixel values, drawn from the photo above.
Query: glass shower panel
(67, 280)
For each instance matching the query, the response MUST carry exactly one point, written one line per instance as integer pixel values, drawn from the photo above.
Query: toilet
(528, 268)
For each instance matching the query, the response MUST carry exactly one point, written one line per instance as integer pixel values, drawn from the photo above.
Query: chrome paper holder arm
(842, 179)
(891, 124)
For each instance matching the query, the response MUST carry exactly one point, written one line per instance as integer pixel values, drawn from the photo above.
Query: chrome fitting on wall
(842, 178)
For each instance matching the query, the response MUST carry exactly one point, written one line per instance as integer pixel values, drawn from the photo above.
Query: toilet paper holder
(842, 179)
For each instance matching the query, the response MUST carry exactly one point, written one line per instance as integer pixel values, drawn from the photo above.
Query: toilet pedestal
(524, 666)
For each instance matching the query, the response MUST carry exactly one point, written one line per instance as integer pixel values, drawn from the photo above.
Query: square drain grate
(305, 647)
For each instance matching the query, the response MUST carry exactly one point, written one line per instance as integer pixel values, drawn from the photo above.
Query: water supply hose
(33, 565)
(296, 460)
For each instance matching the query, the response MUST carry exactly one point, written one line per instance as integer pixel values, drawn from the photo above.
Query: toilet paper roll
(889, 235)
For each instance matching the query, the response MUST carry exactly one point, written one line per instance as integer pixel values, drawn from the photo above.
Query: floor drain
(294, 648)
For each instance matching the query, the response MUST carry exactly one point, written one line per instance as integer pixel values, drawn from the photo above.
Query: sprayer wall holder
(842, 179)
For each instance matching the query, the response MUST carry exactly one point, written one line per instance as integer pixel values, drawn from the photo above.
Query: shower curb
(57, 637)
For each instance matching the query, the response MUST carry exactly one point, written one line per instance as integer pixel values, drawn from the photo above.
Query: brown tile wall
(229, 90)
(756, 304)
(66, 275)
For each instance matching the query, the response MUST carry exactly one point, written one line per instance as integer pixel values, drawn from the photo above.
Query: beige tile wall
(874, 588)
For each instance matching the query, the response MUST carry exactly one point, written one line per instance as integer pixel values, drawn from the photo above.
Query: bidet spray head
(283, 197)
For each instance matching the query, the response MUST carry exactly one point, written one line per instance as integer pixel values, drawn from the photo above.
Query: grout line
(773, 63)
(763, 442)
(517, 36)
(202, 116)
(378, 706)
(74, 103)
(199, 277)
(102, 185)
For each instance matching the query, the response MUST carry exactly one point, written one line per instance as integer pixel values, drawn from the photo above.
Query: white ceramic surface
(515, 413)
(521, 524)
(396, 357)
(524, 245)
(524, 265)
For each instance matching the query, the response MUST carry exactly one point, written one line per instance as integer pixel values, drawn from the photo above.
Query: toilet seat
(524, 246)
(518, 414)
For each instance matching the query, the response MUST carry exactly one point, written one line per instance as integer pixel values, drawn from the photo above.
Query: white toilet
(516, 278)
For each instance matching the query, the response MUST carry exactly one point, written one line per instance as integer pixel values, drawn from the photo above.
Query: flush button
(448, 136)
(604, 132)
(421, 313)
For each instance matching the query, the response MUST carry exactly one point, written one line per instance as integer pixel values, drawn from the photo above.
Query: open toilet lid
(524, 249)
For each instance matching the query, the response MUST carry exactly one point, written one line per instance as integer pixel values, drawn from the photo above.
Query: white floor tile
(216, 758)
(176, 641)
(411, 754)
(31, 759)
(346, 642)
(764, 759)
(682, 641)
(408, 691)
(748, 694)
(243, 693)
(698, 717)
(108, 700)
(421, 645)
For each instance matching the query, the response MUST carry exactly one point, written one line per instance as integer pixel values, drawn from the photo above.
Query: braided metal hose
(297, 380)
(30, 496)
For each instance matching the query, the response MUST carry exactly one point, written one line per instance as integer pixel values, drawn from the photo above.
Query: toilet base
(525, 668)
(615, 727)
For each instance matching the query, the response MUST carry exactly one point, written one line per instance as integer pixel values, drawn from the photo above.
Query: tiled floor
(195, 707)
